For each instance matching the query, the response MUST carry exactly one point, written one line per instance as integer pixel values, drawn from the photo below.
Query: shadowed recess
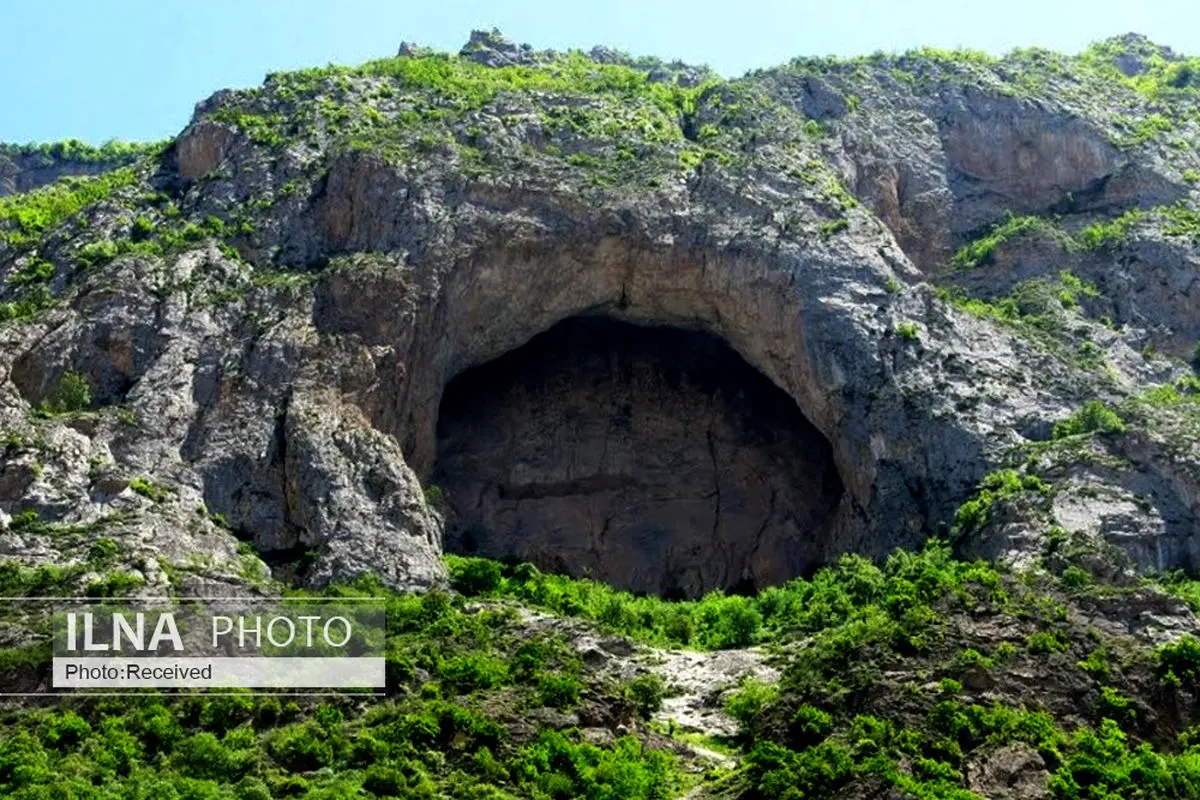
(653, 458)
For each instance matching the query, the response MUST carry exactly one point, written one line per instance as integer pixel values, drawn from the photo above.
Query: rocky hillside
(27, 167)
(898, 350)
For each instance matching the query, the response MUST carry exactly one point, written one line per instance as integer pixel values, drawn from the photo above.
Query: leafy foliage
(114, 151)
(1094, 417)
(26, 218)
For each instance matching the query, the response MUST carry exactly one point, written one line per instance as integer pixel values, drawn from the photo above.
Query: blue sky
(133, 69)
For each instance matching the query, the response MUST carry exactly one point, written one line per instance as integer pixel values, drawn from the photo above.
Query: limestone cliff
(356, 239)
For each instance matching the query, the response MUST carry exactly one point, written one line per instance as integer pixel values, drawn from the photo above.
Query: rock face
(350, 494)
(353, 281)
(654, 459)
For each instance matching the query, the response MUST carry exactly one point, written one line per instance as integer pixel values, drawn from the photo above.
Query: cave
(653, 458)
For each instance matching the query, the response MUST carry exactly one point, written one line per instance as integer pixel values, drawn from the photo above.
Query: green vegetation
(1002, 486)
(26, 218)
(1161, 78)
(459, 681)
(111, 152)
(1094, 417)
(852, 590)
(646, 692)
(1035, 307)
(908, 331)
(1136, 132)
(982, 251)
(152, 491)
(425, 741)
(834, 226)
(72, 394)
(1181, 220)
(28, 305)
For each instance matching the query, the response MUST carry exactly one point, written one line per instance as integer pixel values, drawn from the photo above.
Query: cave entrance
(653, 458)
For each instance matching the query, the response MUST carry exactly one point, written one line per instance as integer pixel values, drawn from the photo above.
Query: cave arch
(818, 332)
(652, 457)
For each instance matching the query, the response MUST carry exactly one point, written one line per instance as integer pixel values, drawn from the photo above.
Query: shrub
(466, 673)
(982, 251)
(118, 584)
(810, 725)
(908, 331)
(559, 691)
(72, 394)
(206, 757)
(834, 226)
(1001, 485)
(555, 767)
(1075, 577)
(475, 576)
(737, 624)
(1110, 234)
(26, 217)
(1094, 417)
(817, 772)
(150, 490)
(750, 700)
(103, 551)
(1179, 661)
(301, 748)
(141, 230)
(1045, 642)
(647, 693)
(66, 729)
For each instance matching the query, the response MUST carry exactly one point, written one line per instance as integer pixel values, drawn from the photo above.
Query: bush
(908, 331)
(476, 576)
(750, 700)
(206, 757)
(1046, 642)
(810, 725)
(301, 748)
(141, 230)
(559, 691)
(555, 767)
(1094, 417)
(647, 693)
(1179, 662)
(103, 551)
(97, 254)
(817, 772)
(738, 622)
(466, 673)
(73, 394)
